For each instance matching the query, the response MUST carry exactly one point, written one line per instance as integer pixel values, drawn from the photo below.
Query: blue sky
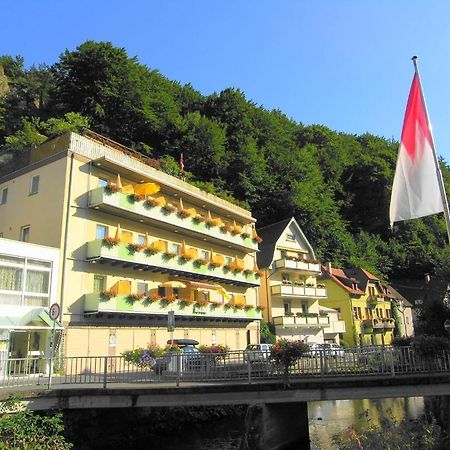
(345, 64)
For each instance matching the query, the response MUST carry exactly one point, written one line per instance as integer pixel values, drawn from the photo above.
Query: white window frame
(4, 196)
(32, 191)
(25, 266)
(97, 227)
(22, 230)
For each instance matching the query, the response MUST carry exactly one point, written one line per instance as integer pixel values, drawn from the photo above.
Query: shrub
(405, 435)
(216, 348)
(402, 341)
(30, 430)
(430, 346)
(285, 353)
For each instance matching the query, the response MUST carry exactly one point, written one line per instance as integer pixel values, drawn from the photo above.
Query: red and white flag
(181, 162)
(416, 191)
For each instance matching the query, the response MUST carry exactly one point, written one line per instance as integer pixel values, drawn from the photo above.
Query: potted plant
(245, 235)
(151, 203)
(135, 297)
(200, 262)
(201, 302)
(133, 248)
(183, 213)
(169, 255)
(152, 298)
(168, 208)
(183, 302)
(149, 251)
(260, 308)
(111, 188)
(136, 197)
(198, 219)
(107, 295)
(110, 241)
(167, 300)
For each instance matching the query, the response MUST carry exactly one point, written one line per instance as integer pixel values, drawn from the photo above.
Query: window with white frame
(25, 233)
(34, 184)
(204, 254)
(99, 283)
(141, 239)
(102, 182)
(142, 288)
(3, 196)
(101, 231)
(24, 281)
(175, 248)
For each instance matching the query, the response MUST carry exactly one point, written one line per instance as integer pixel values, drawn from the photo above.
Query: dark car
(184, 352)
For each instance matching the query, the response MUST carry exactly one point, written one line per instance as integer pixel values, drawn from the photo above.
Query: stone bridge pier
(276, 426)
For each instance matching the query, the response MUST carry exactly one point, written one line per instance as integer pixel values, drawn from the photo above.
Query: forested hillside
(337, 185)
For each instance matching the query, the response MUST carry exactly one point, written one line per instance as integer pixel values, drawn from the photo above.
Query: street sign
(54, 311)
(171, 321)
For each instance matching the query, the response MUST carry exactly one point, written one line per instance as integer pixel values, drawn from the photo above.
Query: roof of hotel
(270, 235)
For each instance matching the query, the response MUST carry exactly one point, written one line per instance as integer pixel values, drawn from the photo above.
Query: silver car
(257, 352)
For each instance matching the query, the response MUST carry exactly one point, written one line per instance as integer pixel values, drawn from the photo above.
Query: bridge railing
(233, 365)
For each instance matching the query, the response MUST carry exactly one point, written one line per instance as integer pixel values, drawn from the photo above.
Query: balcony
(94, 303)
(336, 326)
(302, 267)
(301, 321)
(373, 325)
(389, 324)
(124, 205)
(122, 255)
(286, 290)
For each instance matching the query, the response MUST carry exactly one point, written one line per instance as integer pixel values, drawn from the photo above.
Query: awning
(198, 285)
(26, 318)
(173, 284)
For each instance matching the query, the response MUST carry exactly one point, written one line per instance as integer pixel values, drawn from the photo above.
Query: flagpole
(436, 161)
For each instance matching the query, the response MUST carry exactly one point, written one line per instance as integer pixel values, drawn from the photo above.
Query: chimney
(328, 266)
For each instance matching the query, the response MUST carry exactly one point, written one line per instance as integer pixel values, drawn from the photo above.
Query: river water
(332, 417)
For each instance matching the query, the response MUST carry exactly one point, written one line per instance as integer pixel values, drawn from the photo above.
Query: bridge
(277, 403)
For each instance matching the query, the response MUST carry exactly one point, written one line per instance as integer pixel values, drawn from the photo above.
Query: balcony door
(287, 307)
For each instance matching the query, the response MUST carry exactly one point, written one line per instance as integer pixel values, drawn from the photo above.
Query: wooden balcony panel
(159, 262)
(136, 210)
(94, 303)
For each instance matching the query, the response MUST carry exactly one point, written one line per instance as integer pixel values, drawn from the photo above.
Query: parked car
(257, 352)
(325, 350)
(190, 356)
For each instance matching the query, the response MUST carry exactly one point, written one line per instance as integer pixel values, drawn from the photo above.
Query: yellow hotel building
(360, 300)
(135, 244)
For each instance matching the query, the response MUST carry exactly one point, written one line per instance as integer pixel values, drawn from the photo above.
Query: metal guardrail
(230, 366)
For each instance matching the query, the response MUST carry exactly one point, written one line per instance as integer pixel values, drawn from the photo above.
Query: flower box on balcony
(110, 241)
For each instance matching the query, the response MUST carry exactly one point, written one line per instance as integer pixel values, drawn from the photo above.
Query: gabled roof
(270, 235)
(363, 277)
(397, 296)
(340, 277)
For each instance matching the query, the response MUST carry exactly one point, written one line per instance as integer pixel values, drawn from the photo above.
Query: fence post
(249, 368)
(179, 361)
(393, 355)
(105, 371)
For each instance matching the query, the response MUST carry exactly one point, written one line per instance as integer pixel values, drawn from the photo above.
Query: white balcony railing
(301, 266)
(287, 290)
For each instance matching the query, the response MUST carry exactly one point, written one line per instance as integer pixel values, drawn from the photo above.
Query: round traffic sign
(54, 311)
